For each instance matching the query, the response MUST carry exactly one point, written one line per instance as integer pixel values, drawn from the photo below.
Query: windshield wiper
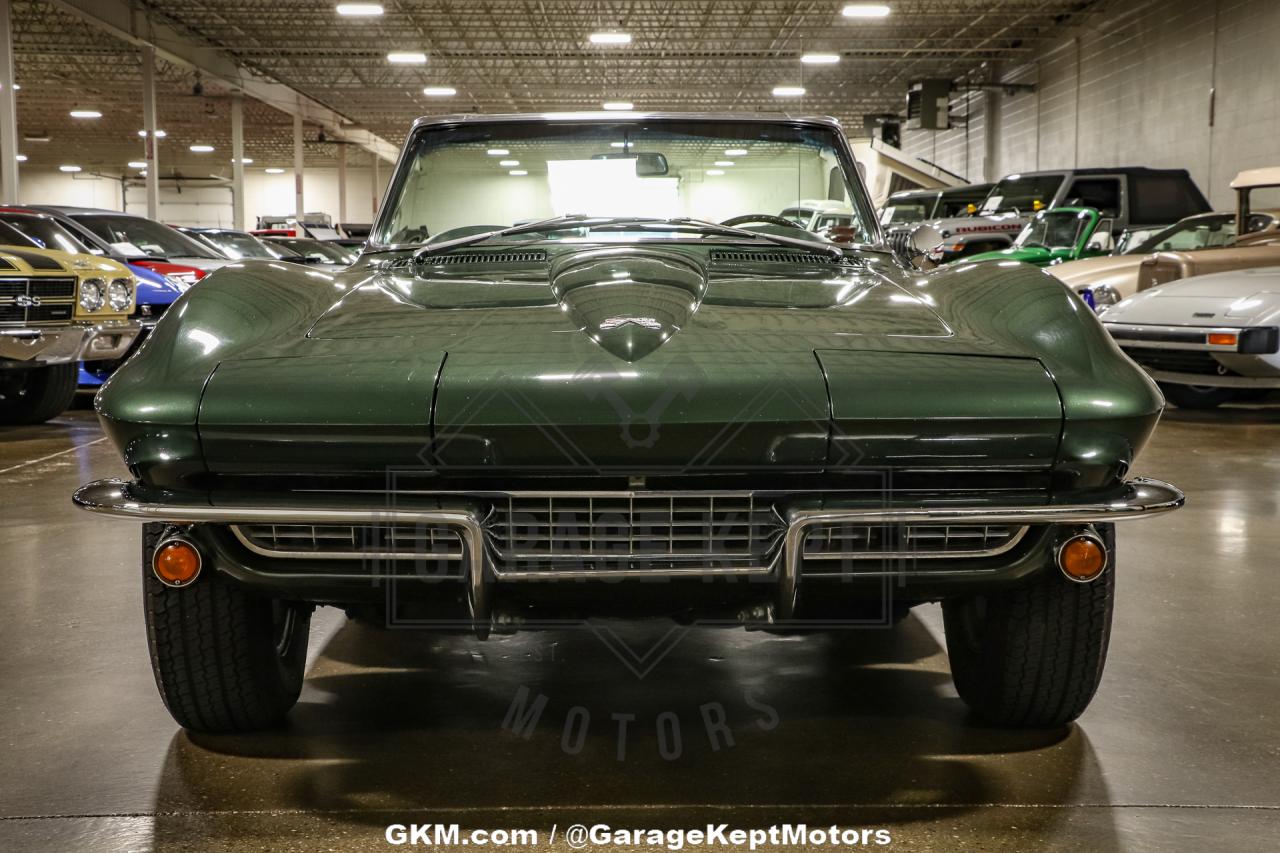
(601, 223)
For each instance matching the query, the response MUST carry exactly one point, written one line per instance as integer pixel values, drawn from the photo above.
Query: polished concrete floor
(1179, 751)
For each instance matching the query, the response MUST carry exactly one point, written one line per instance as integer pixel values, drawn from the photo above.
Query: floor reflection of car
(324, 253)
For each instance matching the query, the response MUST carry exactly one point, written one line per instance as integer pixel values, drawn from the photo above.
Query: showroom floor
(861, 728)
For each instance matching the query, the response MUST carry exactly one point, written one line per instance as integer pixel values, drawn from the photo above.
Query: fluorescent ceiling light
(866, 10)
(274, 170)
(440, 91)
(724, 162)
(715, 171)
(735, 152)
(202, 149)
(137, 164)
(360, 10)
(21, 158)
(620, 144)
(508, 162)
(68, 168)
(820, 58)
(407, 58)
(160, 134)
(618, 106)
(86, 114)
(610, 38)
(245, 160)
(518, 172)
(788, 91)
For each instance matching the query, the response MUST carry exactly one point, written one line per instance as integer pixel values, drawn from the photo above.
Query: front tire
(1032, 656)
(1197, 396)
(34, 395)
(225, 660)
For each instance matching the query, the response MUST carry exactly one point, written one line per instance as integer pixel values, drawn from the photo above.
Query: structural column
(237, 161)
(8, 111)
(342, 183)
(151, 143)
(297, 166)
(991, 128)
(377, 184)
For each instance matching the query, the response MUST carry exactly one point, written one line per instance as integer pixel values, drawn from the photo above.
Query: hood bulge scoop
(628, 301)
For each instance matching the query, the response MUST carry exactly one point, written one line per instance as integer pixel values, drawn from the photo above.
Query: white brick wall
(1132, 87)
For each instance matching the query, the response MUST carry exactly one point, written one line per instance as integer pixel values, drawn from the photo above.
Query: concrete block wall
(1166, 83)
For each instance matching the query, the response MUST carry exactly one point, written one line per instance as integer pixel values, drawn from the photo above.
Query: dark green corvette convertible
(583, 370)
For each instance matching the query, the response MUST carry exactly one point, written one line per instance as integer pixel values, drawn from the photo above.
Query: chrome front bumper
(1141, 498)
(38, 346)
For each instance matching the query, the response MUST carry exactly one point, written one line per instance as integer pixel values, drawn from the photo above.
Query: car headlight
(120, 294)
(1104, 296)
(92, 294)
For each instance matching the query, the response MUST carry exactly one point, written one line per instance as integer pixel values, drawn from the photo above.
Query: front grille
(55, 297)
(913, 541)
(708, 531)
(1177, 360)
(534, 256)
(726, 256)
(351, 541)
(899, 239)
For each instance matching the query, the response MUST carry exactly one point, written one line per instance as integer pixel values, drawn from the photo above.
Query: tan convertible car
(1183, 249)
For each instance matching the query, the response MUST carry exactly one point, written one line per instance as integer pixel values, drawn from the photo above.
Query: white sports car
(1208, 339)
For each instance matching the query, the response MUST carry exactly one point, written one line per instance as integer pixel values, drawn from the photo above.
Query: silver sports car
(1208, 339)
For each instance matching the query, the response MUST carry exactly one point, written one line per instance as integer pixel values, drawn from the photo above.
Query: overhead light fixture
(866, 10)
(788, 91)
(724, 162)
(360, 10)
(610, 37)
(735, 152)
(244, 160)
(497, 152)
(17, 86)
(274, 170)
(21, 158)
(508, 162)
(85, 114)
(137, 164)
(618, 106)
(407, 58)
(160, 134)
(620, 144)
(715, 171)
(440, 91)
(201, 149)
(820, 58)
(68, 168)
(518, 172)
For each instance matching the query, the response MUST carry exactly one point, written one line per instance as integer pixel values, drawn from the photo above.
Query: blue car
(22, 227)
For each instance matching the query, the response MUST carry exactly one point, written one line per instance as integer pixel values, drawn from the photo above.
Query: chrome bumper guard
(37, 345)
(1142, 497)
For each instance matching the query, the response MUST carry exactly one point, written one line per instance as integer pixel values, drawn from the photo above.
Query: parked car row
(63, 273)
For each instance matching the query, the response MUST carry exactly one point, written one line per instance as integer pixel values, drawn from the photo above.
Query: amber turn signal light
(1222, 339)
(176, 562)
(1082, 558)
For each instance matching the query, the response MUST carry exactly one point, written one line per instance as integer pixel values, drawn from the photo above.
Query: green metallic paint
(274, 369)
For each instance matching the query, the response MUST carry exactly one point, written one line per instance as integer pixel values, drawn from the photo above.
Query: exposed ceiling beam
(122, 20)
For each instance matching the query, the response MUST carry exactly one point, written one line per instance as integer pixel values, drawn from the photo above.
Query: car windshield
(1018, 194)
(318, 250)
(905, 211)
(152, 238)
(44, 233)
(1053, 229)
(238, 245)
(1202, 232)
(459, 180)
